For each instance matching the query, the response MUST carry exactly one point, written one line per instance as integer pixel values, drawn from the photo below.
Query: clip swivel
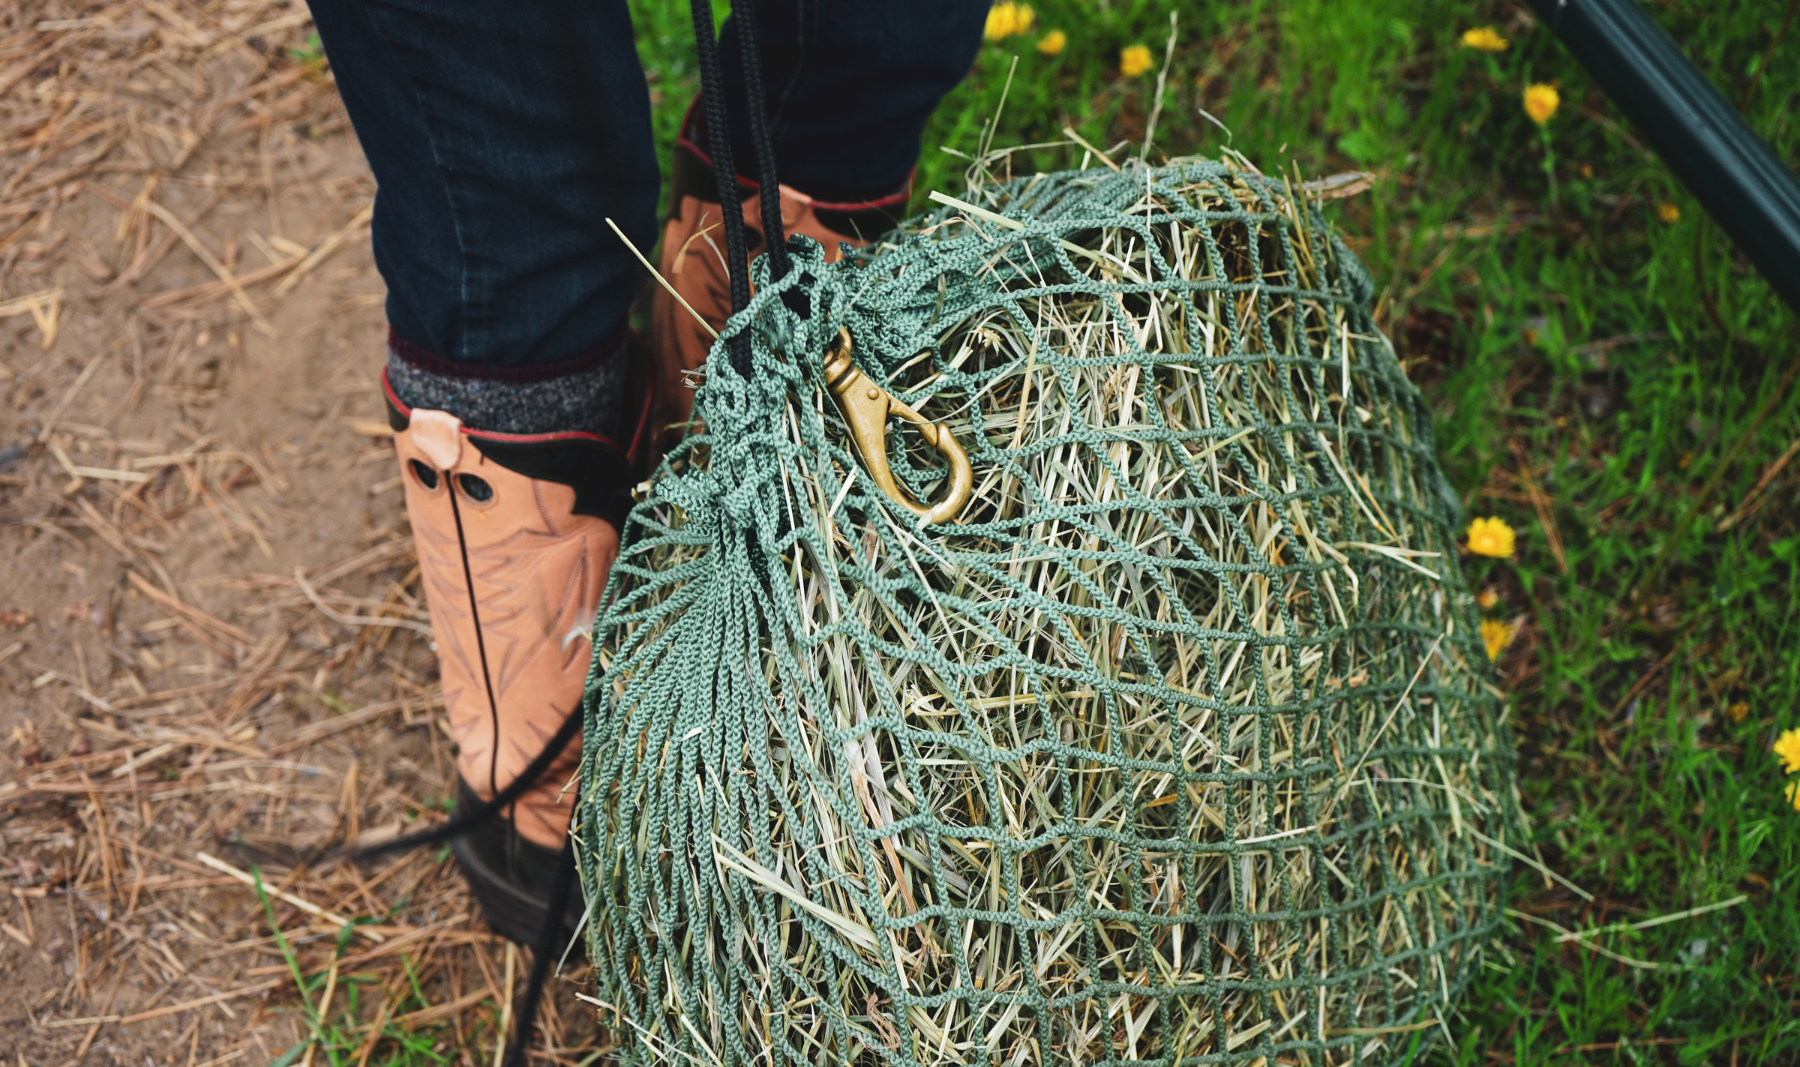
(866, 408)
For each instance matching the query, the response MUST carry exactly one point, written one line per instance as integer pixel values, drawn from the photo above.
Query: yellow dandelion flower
(1007, 18)
(1669, 213)
(1487, 598)
(1793, 794)
(1496, 635)
(1541, 102)
(1134, 61)
(1491, 537)
(1484, 39)
(1053, 42)
(1787, 746)
(999, 22)
(1738, 712)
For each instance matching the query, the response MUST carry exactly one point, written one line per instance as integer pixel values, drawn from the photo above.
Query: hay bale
(1176, 748)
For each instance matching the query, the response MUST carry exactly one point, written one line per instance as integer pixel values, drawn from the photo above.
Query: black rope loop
(462, 824)
(775, 238)
(731, 205)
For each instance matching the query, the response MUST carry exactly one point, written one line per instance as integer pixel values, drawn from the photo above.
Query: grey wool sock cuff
(585, 394)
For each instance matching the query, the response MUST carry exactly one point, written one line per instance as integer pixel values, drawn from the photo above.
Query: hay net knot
(1176, 747)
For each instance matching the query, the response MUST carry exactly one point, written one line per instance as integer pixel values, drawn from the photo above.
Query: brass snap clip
(866, 407)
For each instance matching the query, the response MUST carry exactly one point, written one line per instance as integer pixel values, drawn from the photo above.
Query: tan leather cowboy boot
(693, 259)
(515, 535)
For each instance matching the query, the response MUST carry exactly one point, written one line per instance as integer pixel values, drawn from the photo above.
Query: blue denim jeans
(502, 136)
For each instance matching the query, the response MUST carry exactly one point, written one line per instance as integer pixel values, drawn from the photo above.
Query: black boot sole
(510, 878)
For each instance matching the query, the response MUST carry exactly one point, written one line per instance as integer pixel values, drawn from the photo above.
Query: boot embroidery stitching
(537, 492)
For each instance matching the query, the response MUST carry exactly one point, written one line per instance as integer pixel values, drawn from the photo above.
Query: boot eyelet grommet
(422, 472)
(475, 488)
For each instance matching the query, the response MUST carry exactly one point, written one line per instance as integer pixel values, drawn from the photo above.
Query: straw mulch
(210, 623)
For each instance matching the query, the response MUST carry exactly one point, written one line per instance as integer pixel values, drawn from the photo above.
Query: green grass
(336, 1036)
(1648, 795)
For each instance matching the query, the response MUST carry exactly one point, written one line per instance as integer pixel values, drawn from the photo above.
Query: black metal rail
(1734, 174)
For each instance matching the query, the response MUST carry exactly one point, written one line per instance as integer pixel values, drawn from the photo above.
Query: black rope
(543, 952)
(718, 138)
(536, 769)
(545, 948)
(763, 145)
(743, 13)
(487, 678)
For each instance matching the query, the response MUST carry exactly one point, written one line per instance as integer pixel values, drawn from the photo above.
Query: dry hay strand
(1172, 750)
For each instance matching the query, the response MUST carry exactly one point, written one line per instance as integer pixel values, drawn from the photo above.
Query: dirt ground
(212, 641)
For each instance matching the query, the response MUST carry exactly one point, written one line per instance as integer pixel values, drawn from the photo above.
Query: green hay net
(1178, 747)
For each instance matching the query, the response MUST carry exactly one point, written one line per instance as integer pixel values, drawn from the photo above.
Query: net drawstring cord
(718, 140)
(761, 144)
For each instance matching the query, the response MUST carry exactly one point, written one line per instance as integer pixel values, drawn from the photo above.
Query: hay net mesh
(1177, 748)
